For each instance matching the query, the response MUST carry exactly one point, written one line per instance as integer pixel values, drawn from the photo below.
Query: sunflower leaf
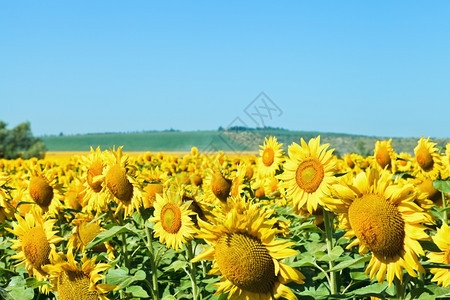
(110, 233)
(375, 289)
(137, 291)
(442, 185)
(348, 263)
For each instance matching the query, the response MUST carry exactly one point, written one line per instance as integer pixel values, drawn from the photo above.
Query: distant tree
(19, 142)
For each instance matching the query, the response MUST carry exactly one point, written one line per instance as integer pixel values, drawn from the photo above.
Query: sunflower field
(304, 224)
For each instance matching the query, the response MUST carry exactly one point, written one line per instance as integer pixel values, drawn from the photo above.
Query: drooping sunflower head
(308, 172)
(120, 180)
(270, 157)
(385, 220)
(35, 239)
(385, 155)
(427, 160)
(74, 280)
(44, 189)
(246, 255)
(217, 187)
(84, 231)
(173, 224)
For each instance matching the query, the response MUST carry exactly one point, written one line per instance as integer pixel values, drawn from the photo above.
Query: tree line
(19, 142)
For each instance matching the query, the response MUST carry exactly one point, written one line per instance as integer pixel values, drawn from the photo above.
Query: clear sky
(377, 68)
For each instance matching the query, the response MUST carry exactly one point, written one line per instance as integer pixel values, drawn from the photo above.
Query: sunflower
(247, 256)
(73, 280)
(217, 187)
(442, 240)
(270, 157)
(44, 189)
(404, 162)
(120, 181)
(84, 231)
(6, 208)
(308, 172)
(385, 220)
(173, 224)
(92, 167)
(427, 159)
(384, 155)
(446, 161)
(35, 240)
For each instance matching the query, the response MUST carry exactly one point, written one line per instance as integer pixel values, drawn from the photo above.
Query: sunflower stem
(192, 270)
(398, 288)
(444, 206)
(154, 290)
(329, 238)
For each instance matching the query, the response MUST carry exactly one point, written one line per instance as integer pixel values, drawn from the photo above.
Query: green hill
(212, 141)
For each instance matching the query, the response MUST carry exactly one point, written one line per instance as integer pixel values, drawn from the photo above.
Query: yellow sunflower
(308, 171)
(385, 220)
(270, 157)
(404, 162)
(216, 188)
(44, 190)
(427, 159)
(442, 240)
(73, 280)
(384, 155)
(173, 225)
(120, 182)
(84, 231)
(6, 209)
(446, 161)
(93, 166)
(247, 256)
(35, 240)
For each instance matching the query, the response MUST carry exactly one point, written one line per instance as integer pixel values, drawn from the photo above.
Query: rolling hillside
(232, 141)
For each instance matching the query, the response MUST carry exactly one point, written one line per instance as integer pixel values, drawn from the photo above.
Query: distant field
(212, 141)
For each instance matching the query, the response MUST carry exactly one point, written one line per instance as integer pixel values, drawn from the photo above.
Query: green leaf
(375, 289)
(137, 291)
(33, 282)
(430, 246)
(119, 277)
(348, 263)
(435, 265)
(110, 233)
(140, 275)
(332, 256)
(442, 185)
(177, 265)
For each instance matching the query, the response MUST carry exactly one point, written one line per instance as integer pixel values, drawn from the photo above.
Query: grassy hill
(212, 141)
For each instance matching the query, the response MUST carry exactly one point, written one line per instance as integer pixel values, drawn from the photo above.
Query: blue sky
(377, 68)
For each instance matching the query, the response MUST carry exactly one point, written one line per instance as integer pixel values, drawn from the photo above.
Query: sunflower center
(75, 285)
(220, 186)
(424, 159)
(246, 262)
(378, 225)
(118, 183)
(171, 218)
(383, 158)
(95, 170)
(268, 157)
(350, 163)
(36, 248)
(309, 175)
(40, 191)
